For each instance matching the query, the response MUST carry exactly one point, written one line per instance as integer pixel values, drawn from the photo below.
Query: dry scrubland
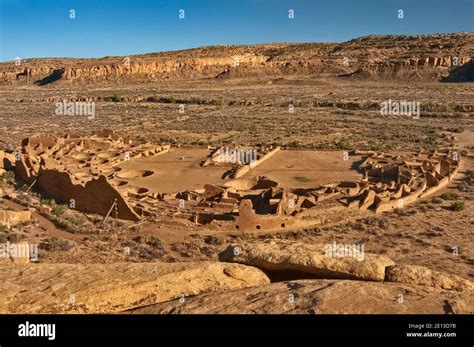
(336, 108)
(352, 121)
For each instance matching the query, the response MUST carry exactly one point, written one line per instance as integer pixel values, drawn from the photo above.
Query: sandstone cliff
(421, 57)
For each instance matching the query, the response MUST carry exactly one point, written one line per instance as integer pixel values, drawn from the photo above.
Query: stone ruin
(392, 181)
(84, 169)
(389, 182)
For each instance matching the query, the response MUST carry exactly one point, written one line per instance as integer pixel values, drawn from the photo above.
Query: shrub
(458, 206)
(14, 238)
(301, 179)
(58, 210)
(8, 175)
(293, 144)
(448, 107)
(56, 244)
(449, 196)
(464, 187)
(456, 130)
(46, 202)
(153, 241)
(168, 100)
(116, 97)
(218, 102)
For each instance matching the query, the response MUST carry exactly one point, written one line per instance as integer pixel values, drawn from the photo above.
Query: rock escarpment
(420, 57)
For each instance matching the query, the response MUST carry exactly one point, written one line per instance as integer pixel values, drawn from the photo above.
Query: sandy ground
(175, 171)
(305, 169)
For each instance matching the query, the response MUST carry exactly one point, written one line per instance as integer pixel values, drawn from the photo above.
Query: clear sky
(42, 28)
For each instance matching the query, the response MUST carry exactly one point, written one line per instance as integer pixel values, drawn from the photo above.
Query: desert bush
(168, 100)
(116, 97)
(457, 206)
(8, 175)
(470, 177)
(448, 107)
(383, 222)
(149, 253)
(153, 241)
(213, 240)
(59, 210)
(56, 244)
(218, 102)
(294, 144)
(47, 202)
(456, 130)
(14, 238)
(464, 187)
(449, 196)
(301, 179)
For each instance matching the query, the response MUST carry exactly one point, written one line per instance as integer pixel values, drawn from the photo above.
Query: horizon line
(232, 45)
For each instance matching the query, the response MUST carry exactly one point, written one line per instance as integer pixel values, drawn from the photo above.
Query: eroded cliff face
(180, 67)
(426, 57)
(134, 68)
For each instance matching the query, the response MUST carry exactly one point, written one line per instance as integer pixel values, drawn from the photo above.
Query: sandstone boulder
(421, 275)
(321, 297)
(367, 199)
(17, 253)
(285, 257)
(99, 288)
(9, 218)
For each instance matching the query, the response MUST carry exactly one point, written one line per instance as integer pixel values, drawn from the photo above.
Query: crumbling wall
(248, 220)
(96, 196)
(244, 169)
(6, 160)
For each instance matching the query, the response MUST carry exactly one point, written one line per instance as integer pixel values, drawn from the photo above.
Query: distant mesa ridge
(437, 57)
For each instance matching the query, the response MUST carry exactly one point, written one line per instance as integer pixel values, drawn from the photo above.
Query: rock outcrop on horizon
(421, 57)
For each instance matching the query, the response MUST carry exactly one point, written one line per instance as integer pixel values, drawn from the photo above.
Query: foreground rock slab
(421, 275)
(286, 256)
(321, 297)
(101, 288)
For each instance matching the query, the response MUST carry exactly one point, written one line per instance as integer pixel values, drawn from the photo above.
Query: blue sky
(42, 28)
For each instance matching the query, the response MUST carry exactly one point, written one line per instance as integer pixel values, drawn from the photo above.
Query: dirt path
(466, 138)
(45, 224)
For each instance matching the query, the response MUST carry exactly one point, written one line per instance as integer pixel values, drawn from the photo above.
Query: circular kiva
(107, 155)
(251, 183)
(82, 174)
(132, 174)
(81, 156)
(133, 190)
(121, 183)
